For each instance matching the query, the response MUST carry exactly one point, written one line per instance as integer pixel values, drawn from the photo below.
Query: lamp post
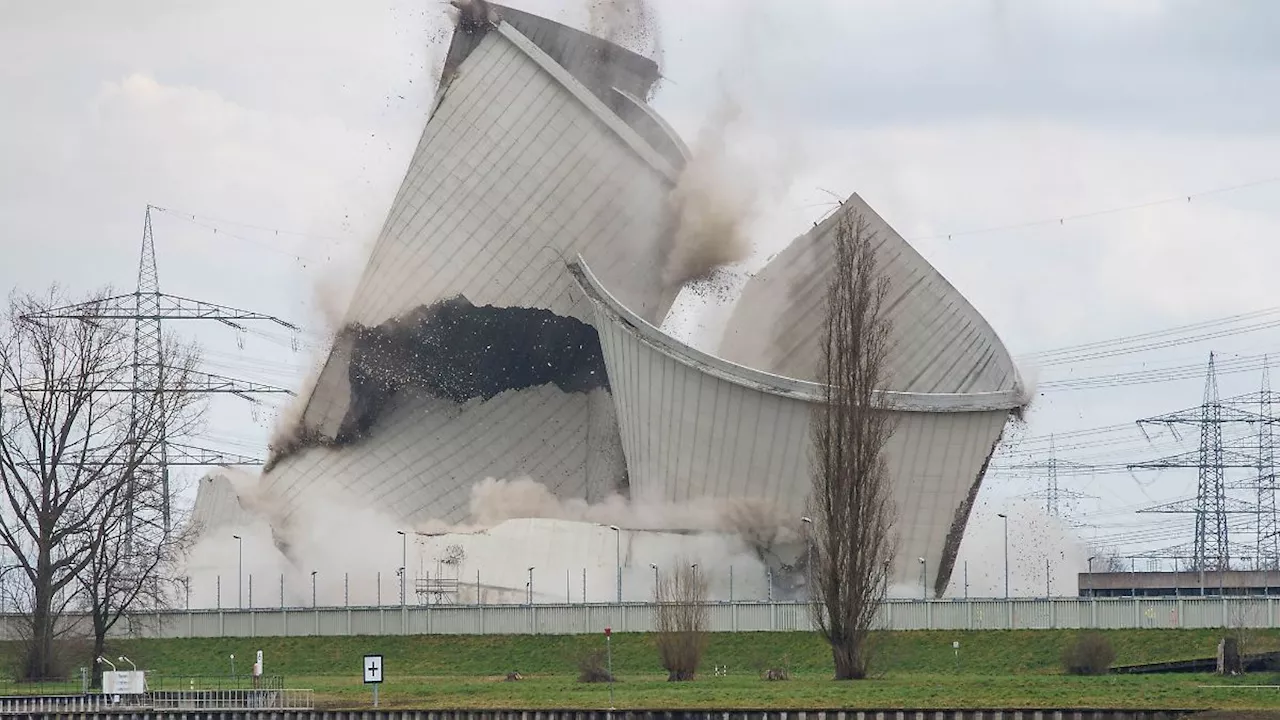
(313, 588)
(655, 581)
(404, 564)
(808, 547)
(617, 556)
(1095, 557)
(924, 578)
(531, 587)
(403, 570)
(240, 573)
(1004, 517)
(694, 567)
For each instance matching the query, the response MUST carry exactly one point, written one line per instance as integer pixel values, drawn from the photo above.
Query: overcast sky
(947, 117)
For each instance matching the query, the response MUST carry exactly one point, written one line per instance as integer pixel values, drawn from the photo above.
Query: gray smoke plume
(355, 551)
(712, 203)
(494, 501)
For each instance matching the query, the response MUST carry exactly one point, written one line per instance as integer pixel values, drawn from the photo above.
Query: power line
(148, 308)
(1062, 219)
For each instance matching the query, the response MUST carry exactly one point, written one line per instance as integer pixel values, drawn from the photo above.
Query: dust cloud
(355, 552)
(494, 501)
(713, 202)
(1034, 538)
(631, 24)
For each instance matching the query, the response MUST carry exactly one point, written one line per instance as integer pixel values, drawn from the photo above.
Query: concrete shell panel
(940, 343)
(519, 167)
(217, 504)
(514, 170)
(423, 457)
(696, 426)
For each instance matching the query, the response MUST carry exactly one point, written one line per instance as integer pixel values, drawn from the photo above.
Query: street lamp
(655, 581)
(1006, 553)
(617, 555)
(530, 587)
(924, 578)
(313, 588)
(404, 563)
(1095, 557)
(808, 547)
(240, 573)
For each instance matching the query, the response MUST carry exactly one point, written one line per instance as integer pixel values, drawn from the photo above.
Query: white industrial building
(507, 326)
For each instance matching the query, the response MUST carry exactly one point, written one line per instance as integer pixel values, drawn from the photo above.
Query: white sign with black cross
(373, 674)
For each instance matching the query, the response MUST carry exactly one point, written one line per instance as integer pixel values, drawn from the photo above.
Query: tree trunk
(99, 650)
(850, 659)
(39, 660)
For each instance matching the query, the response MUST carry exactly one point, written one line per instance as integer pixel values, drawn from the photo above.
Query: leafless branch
(852, 509)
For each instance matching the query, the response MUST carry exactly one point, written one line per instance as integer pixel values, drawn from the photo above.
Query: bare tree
(132, 561)
(681, 620)
(852, 508)
(74, 452)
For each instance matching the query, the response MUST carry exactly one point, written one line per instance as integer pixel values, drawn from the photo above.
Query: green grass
(998, 669)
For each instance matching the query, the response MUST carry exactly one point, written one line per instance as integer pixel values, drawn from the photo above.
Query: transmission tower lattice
(1211, 548)
(147, 308)
(1053, 494)
(1267, 544)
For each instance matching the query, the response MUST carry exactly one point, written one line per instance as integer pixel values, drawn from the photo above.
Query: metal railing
(284, 699)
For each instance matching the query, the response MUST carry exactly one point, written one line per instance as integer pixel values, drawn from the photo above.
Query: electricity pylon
(148, 308)
(1211, 546)
(1053, 494)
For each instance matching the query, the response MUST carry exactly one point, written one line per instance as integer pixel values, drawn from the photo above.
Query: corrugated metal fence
(1187, 612)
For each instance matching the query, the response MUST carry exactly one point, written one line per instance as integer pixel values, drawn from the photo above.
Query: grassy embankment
(916, 669)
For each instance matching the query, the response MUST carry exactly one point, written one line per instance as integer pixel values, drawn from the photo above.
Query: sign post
(608, 644)
(373, 674)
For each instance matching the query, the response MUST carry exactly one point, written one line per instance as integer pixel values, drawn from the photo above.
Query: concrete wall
(939, 344)
(694, 426)
(1069, 613)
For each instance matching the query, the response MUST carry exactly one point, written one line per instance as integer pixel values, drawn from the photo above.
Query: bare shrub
(593, 667)
(852, 513)
(681, 621)
(1088, 654)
